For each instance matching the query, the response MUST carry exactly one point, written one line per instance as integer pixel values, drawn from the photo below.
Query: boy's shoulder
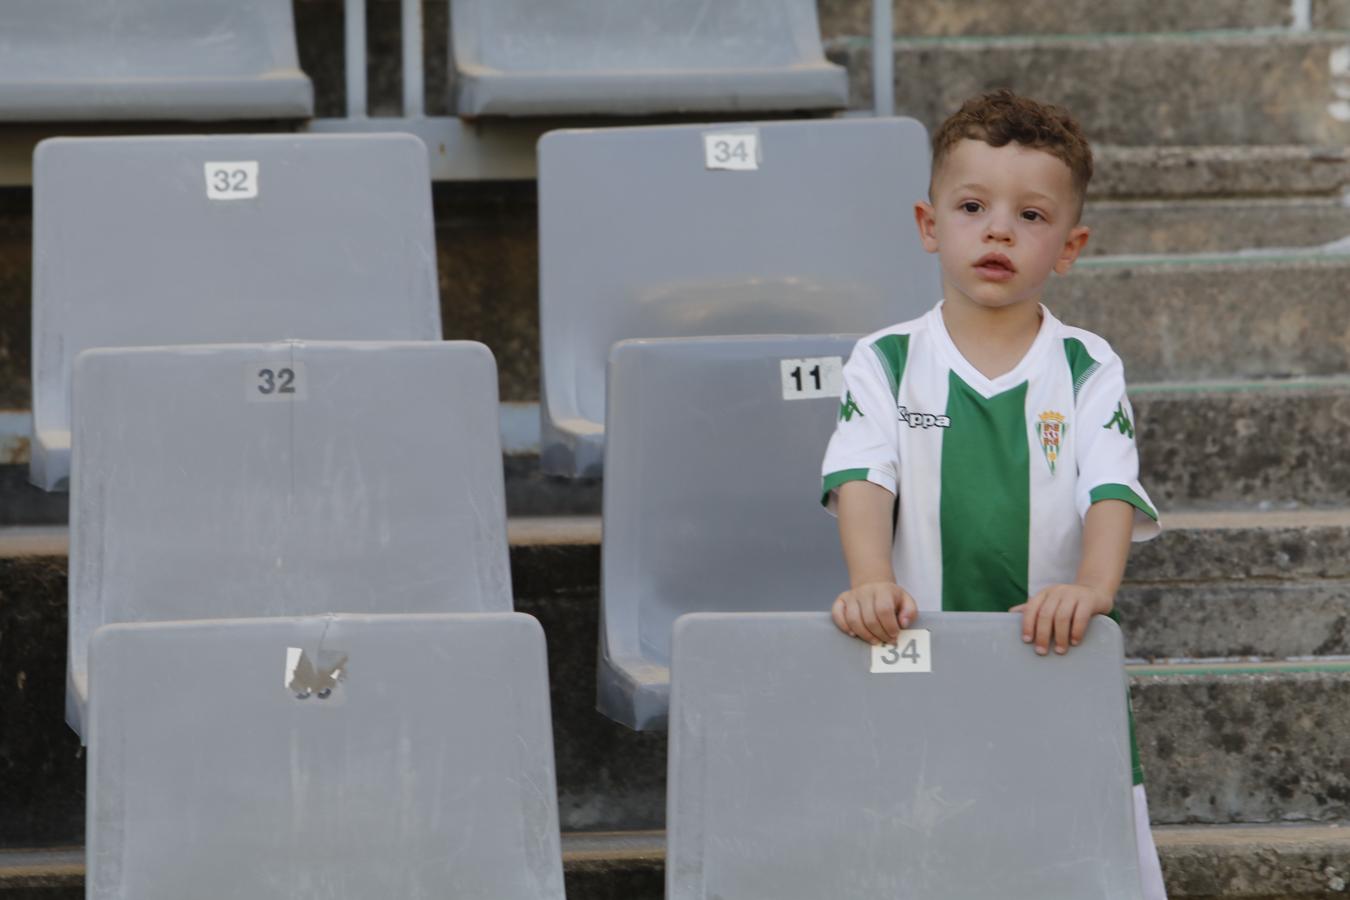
(908, 329)
(1086, 349)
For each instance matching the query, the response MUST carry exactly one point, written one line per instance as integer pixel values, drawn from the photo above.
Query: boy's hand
(874, 612)
(1060, 614)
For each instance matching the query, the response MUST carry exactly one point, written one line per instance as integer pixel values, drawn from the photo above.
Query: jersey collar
(987, 387)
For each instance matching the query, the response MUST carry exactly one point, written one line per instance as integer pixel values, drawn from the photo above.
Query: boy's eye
(1031, 215)
(970, 206)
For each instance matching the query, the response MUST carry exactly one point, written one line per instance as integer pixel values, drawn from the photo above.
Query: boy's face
(1001, 220)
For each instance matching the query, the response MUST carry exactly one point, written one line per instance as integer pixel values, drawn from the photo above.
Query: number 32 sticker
(232, 180)
(909, 653)
(275, 381)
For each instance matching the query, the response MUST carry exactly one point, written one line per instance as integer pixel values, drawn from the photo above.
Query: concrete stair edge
(1230, 861)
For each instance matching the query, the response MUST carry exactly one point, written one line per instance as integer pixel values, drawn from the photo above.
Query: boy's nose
(998, 230)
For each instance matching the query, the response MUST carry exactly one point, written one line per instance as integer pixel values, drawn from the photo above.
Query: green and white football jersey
(993, 476)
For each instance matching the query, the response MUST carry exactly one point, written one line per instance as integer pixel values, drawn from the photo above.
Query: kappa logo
(1051, 429)
(923, 420)
(1121, 420)
(849, 408)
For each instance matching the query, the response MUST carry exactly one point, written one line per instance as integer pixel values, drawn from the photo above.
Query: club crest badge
(1051, 429)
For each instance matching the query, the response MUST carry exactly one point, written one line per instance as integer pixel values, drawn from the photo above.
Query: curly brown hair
(1002, 117)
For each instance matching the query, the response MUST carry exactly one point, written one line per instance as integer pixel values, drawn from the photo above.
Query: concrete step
(1208, 88)
(528, 491)
(1125, 227)
(1246, 443)
(1271, 620)
(1221, 743)
(1233, 862)
(1163, 172)
(938, 18)
(1190, 318)
(599, 866)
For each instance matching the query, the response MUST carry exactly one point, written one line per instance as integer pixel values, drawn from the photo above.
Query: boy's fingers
(1018, 608)
(1082, 617)
(854, 620)
(890, 623)
(837, 613)
(1029, 611)
(1045, 623)
(909, 610)
(874, 632)
(1063, 625)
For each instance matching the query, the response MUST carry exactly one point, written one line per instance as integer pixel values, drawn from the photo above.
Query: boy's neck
(993, 340)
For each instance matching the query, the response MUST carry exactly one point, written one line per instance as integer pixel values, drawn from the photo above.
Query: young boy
(1004, 437)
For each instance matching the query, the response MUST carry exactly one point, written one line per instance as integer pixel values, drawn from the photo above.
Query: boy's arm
(874, 608)
(1060, 614)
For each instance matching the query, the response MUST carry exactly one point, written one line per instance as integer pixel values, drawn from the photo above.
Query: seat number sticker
(731, 151)
(818, 376)
(909, 653)
(232, 180)
(282, 381)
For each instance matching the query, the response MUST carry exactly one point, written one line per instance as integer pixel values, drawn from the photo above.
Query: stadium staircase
(1222, 191)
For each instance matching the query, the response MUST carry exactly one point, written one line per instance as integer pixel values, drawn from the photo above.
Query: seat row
(675, 231)
(210, 241)
(64, 60)
(296, 668)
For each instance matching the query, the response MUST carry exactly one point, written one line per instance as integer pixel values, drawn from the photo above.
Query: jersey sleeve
(863, 447)
(1108, 458)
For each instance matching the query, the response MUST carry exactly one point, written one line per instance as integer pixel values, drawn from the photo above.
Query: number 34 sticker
(909, 653)
(731, 151)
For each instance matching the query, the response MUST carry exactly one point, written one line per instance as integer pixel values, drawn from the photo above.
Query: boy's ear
(926, 218)
(1073, 245)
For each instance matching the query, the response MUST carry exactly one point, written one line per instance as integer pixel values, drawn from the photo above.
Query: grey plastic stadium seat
(202, 489)
(639, 57)
(638, 239)
(422, 766)
(68, 60)
(130, 250)
(797, 773)
(711, 500)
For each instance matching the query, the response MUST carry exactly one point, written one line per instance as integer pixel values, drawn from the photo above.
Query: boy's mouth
(995, 267)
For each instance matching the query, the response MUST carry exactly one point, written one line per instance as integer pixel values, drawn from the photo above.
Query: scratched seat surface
(283, 479)
(152, 241)
(639, 57)
(997, 774)
(344, 757)
(819, 238)
(67, 60)
(712, 496)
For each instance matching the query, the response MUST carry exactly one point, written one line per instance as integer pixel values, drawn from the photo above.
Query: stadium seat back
(799, 772)
(285, 479)
(711, 496)
(67, 60)
(326, 238)
(337, 756)
(640, 239)
(617, 57)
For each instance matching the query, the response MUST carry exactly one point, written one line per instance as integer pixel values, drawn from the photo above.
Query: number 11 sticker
(909, 653)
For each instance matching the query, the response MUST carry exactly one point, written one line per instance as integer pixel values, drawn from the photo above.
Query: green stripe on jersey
(892, 350)
(985, 506)
(836, 479)
(1081, 363)
(1121, 492)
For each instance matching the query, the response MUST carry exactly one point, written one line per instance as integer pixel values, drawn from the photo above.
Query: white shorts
(1150, 870)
